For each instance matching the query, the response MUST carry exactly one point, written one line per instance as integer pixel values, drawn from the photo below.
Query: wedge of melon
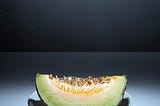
(73, 91)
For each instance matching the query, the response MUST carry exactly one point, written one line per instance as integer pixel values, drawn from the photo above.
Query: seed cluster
(84, 86)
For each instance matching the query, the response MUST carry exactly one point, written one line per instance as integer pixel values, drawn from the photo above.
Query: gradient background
(18, 72)
(82, 38)
(75, 25)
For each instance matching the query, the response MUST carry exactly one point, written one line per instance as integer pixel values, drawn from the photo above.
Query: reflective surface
(31, 102)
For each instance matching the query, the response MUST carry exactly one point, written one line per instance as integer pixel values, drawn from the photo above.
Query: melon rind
(52, 96)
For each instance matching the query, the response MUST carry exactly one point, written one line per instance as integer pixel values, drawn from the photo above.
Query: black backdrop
(79, 25)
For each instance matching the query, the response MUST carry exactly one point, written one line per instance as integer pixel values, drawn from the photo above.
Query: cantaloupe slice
(74, 91)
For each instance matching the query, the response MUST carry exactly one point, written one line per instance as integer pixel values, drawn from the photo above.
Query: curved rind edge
(38, 92)
(124, 89)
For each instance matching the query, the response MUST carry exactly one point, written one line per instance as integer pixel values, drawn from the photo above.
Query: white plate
(34, 100)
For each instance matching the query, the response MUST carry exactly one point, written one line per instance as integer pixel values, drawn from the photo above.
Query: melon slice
(74, 91)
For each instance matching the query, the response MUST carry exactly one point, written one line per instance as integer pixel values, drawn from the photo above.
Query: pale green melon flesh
(53, 96)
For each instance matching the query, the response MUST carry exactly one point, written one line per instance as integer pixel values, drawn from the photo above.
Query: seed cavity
(83, 86)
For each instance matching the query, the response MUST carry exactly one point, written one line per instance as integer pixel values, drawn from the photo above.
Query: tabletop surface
(19, 70)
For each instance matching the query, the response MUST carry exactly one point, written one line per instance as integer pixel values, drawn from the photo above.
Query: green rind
(42, 90)
(38, 92)
(117, 93)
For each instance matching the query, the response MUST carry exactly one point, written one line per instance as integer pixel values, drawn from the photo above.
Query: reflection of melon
(73, 91)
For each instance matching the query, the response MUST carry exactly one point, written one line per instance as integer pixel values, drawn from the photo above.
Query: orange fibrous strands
(85, 86)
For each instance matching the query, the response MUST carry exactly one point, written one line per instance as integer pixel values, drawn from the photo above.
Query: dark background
(22, 67)
(79, 25)
(96, 37)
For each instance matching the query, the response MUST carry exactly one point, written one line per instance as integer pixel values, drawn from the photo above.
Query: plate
(34, 100)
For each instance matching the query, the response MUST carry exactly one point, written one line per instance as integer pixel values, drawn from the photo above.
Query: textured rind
(95, 105)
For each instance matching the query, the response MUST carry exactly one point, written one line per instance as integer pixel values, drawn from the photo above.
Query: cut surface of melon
(74, 91)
